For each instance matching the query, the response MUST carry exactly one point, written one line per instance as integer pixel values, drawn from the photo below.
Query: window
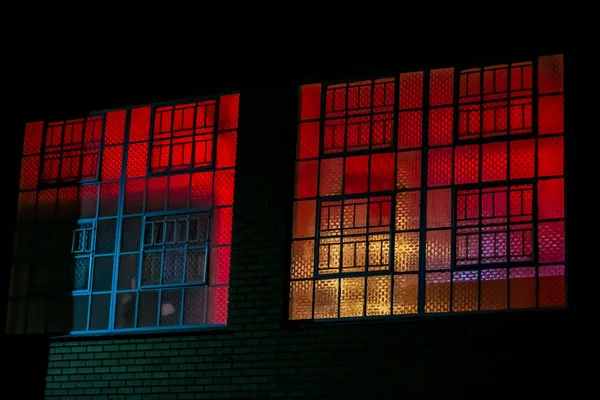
(448, 197)
(143, 243)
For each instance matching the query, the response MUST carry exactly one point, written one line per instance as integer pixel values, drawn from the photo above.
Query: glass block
(440, 167)
(440, 126)
(522, 162)
(308, 140)
(29, 172)
(379, 293)
(356, 177)
(551, 199)
(137, 157)
(352, 299)
(411, 90)
(551, 286)
(194, 305)
(33, 138)
(306, 179)
(330, 183)
(465, 291)
(201, 189)
(115, 127)
(551, 242)
(326, 298)
(550, 74)
(304, 218)
(226, 149)
(406, 253)
(437, 292)
(303, 258)
(310, 101)
(408, 170)
(441, 86)
(301, 299)
(99, 312)
(103, 273)
(382, 172)
(439, 208)
(551, 114)
(223, 190)
(437, 250)
(522, 287)
(405, 298)
(408, 207)
(139, 124)
(221, 225)
(466, 164)
(170, 307)
(493, 289)
(228, 111)
(125, 310)
(410, 128)
(220, 264)
(551, 156)
(494, 162)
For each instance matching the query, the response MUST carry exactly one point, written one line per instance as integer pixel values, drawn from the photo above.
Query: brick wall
(261, 355)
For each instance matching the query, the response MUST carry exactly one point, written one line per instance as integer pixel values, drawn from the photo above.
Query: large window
(124, 220)
(431, 192)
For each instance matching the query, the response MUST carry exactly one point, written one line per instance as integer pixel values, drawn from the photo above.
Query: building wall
(262, 355)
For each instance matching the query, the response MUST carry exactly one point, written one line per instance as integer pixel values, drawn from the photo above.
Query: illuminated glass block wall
(431, 192)
(124, 220)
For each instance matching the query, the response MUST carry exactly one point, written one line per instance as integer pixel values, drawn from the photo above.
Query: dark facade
(260, 354)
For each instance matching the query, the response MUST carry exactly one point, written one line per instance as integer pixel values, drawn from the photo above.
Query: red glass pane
(179, 191)
(30, 167)
(551, 116)
(156, 195)
(441, 86)
(224, 187)
(466, 164)
(202, 187)
(308, 140)
(112, 163)
(411, 90)
(439, 208)
(134, 196)
(33, 138)
(330, 180)
(439, 172)
(408, 170)
(137, 158)
(551, 242)
(522, 288)
(552, 286)
(356, 177)
(382, 172)
(550, 74)
(228, 111)
(310, 101)
(139, 124)
(550, 156)
(522, 162)
(221, 225)
(551, 199)
(440, 126)
(220, 262)
(493, 289)
(410, 126)
(115, 127)
(226, 145)
(217, 309)
(494, 162)
(306, 179)
(305, 214)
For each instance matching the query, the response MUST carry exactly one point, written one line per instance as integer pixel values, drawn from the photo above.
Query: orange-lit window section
(459, 209)
(118, 248)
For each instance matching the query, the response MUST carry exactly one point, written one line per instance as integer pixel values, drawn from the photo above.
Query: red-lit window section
(71, 149)
(117, 248)
(460, 209)
(182, 136)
